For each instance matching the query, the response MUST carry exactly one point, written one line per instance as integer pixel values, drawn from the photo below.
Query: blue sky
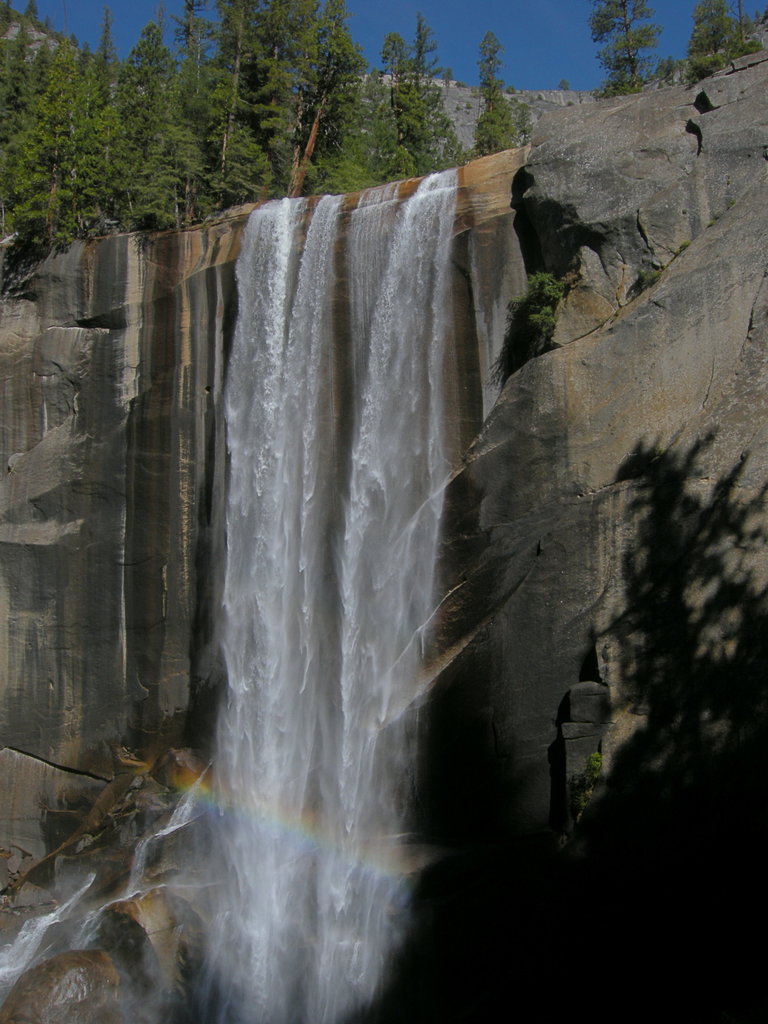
(544, 40)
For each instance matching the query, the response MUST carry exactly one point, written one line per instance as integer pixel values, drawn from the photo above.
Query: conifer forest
(241, 100)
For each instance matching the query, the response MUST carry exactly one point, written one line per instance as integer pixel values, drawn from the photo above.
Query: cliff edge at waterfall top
(383, 583)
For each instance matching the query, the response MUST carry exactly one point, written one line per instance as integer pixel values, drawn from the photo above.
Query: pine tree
(45, 164)
(327, 96)
(423, 139)
(149, 192)
(193, 111)
(437, 146)
(287, 52)
(96, 135)
(106, 51)
(193, 33)
(24, 78)
(235, 31)
(425, 66)
(241, 169)
(716, 39)
(105, 63)
(357, 162)
(619, 24)
(495, 129)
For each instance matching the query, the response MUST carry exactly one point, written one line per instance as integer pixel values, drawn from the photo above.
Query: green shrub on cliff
(531, 320)
(584, 783)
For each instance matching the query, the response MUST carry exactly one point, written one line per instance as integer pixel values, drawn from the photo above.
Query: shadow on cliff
(654, 909)
(674, 848)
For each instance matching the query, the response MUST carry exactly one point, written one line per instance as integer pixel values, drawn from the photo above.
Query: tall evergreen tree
(105, 63)
(235, 34)
(287, 54)
(44, 167)
(106, 51)
(438, 146)
(425, 67)
(326, 96)
(241, 170)
(193, 32)
(406, 110)
(97, 137)
(192, 106)
(25, 75)
(423, 137)
(149, 192)
(621, 26)
(495, 128)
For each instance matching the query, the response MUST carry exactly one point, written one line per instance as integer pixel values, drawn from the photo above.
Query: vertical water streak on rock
(324, 596)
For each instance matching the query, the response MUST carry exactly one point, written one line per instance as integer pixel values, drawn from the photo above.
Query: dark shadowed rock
(589, 702)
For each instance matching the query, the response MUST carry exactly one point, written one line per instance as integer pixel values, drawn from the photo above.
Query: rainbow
(388, 857)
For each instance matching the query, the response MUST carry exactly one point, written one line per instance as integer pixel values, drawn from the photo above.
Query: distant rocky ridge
(463, 104)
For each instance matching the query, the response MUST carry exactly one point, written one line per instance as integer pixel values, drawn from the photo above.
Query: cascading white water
(335, 498)
(17, 956)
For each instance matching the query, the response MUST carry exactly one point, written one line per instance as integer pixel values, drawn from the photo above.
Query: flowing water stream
(335, 412)
(334, 407)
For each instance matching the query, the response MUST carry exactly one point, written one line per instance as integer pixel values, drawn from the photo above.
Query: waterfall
(334, 411)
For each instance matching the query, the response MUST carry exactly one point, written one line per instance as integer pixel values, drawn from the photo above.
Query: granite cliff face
(604, 564)
(652, 207)
(607, 569)
(113, 357)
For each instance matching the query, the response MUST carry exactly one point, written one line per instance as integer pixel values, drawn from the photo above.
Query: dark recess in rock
(694, 129)
(703, 103)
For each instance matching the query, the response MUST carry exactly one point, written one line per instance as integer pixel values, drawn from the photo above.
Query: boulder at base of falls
(79, 987)
(156, 940)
